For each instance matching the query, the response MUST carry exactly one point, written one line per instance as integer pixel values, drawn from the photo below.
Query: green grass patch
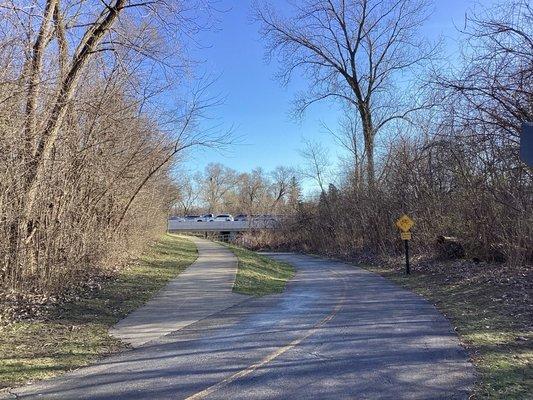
(491, 319)
(258, 275)
(78, 332)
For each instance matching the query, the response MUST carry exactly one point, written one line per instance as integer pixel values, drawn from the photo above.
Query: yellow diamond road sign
(404, 223)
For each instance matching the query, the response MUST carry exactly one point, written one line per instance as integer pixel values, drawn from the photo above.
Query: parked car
(193, 218)
(208, 217)
(241, 217)
(224, 217)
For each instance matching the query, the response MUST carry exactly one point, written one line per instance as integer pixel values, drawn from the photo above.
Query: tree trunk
(369, 149)
(34, 73)
(368, 133)
(48, 137)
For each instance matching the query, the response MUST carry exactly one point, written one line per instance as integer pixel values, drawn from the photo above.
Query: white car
(224, 217)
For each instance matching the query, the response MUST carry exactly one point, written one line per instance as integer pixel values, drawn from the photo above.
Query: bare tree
(349, 140)
(188, 192)
(318, 164)
(218, 183)
(353, 50)
(252, 192)
(492, 92)
(281, 183)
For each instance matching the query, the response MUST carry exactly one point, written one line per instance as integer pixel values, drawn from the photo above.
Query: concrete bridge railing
(219, 226)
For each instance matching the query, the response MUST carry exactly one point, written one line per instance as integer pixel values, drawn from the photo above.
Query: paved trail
(337, 332)
(201, 290)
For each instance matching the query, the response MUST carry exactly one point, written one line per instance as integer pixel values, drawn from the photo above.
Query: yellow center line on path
(273, 355)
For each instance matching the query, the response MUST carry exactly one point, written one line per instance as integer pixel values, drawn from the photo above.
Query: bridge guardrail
(219, 226)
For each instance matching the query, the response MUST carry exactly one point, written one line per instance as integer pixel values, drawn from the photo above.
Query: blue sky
(258, 106)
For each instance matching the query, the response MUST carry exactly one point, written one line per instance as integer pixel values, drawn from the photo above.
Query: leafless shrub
(85, 144)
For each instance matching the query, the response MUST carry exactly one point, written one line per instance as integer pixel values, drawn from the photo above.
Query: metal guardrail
(218, 226)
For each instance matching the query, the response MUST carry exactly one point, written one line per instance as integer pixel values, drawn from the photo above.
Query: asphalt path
(337, 332)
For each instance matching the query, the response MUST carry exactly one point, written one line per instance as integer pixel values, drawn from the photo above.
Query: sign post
(407, 268)
(404, 224)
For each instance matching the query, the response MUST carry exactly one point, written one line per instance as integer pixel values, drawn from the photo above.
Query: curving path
(338, 332)
(201, 290)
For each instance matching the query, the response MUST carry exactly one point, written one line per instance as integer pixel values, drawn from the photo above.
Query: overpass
(219, 226)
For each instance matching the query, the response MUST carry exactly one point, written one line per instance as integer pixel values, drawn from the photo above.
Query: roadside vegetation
(490, 308)
(258, 275)
(76, 333)
(90, 134)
